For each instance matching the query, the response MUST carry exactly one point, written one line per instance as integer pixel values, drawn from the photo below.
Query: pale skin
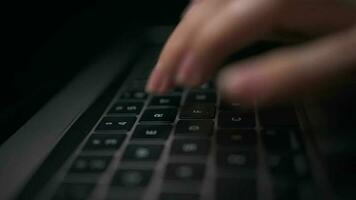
(211, 30)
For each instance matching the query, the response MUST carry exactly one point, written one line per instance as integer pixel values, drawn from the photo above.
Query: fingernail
(236, 86)
(228, 83)
(186, 74)
(163, 85)
(245, 83)
(153, 83)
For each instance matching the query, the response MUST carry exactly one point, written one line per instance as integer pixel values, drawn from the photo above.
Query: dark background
(47, 42)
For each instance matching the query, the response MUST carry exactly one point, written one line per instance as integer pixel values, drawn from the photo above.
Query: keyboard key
(195, 127)
(278, 140)
(207, 86)
(225, 106)
(201, 97)
(124, 193)
(177, 90)
(137, 152)
(90, 164)
(160, 132)
(239, 138)
(173, 196)
(132, 178)
(165, 101)
(126, 108)
(134, 95)
(73, 191)
(190, 147)
(281, 116)
(187, 172)
(106, 142)
(281, 165)
(236, 159)
(284, 189)
(197, 111)
(236, 188)
(231, 119)
(159, 115)
(341, 169)
(116, 123)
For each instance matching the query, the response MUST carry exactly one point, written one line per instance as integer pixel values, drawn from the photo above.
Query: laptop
(101, 136)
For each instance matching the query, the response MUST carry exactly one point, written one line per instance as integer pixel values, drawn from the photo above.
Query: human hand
(211, 30)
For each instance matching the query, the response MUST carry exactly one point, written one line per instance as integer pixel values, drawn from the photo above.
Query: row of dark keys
(110, 142)
(236, 140)
(226, 119)
(192, 97)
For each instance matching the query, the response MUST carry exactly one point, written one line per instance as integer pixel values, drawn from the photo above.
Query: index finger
(161, 78)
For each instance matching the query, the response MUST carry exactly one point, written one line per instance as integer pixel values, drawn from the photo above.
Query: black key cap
(137, 152)
(126, 108)
(90, 164)
(195, 127)
(239, 138)
(341, 169)
(181, 171)
(284, 189)
(73, 191)
(105, 142)
(230, 106)
(116, 123)
(281, 165)
(160, 132)
(201, 97)
(279, 140)
(281, 116)
(134, 95)
(165, 101)
(197, 111)
(207, 86)
(287, 192)
(190, 147)
(159, 115)
(132, 178)
(173, 196)
(177, 90)
(233, 189)
(224, 106)
(231, 119)
(236, 159)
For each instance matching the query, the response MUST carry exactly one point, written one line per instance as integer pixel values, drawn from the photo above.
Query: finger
(303, 19)
(161, 78)
(315, 18)
(190, 5)
(239, 24)
(289, 72)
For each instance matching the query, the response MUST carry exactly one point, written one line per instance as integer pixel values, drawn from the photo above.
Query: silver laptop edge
(32, 143)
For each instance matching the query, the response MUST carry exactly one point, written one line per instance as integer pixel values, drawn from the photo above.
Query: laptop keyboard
(186, 145)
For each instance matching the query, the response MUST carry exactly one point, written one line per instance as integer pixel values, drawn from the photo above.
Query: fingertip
(165, 85)
(153, 83)
(238, 85)
(228, 86)
(189, 74)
